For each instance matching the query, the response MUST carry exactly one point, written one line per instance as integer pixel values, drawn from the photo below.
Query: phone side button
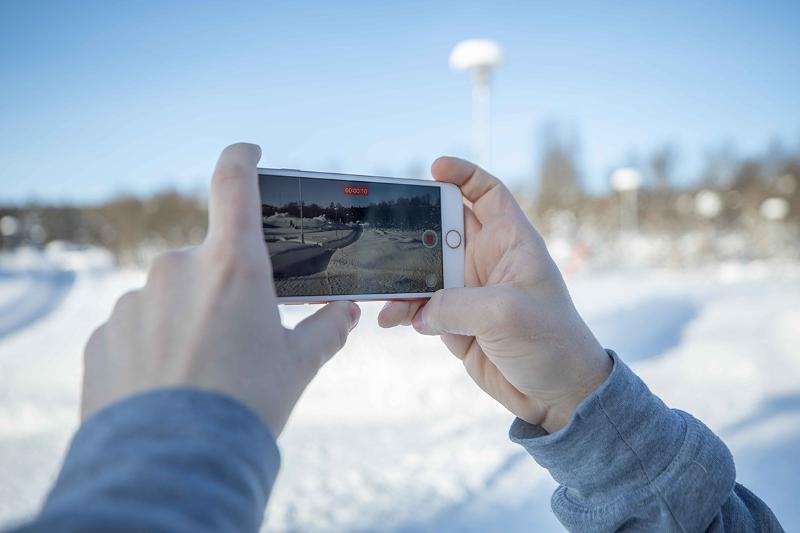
(453, 239)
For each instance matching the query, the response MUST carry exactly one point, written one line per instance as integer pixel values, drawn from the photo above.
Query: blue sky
(99, 98)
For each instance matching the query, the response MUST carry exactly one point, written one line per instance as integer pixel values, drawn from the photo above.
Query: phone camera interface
(337, 237)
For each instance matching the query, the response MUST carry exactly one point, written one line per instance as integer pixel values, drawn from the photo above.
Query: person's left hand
(208, 318)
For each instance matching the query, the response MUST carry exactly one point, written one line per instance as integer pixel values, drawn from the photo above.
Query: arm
(622, 457)
(626, 460)
(204, 463)
(200, 377)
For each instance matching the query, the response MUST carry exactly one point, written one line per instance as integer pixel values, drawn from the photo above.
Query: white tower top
(626, 179)
(476, 54)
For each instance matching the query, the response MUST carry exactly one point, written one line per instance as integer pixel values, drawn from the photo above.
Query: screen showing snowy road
(334, 237)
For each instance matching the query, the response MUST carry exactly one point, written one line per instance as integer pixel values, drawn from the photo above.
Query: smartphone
(350, 237)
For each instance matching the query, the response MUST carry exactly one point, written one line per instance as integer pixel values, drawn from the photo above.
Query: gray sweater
(190, 460)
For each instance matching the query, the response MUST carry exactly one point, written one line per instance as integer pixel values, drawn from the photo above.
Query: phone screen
(333, 237)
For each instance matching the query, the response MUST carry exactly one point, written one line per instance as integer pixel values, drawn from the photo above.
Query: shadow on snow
(47, 291)
(646, 329)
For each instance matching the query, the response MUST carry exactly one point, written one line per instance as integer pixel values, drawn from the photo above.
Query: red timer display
(356, 190)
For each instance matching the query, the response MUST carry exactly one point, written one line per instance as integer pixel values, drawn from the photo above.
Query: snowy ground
(392, 436)
(378, 262)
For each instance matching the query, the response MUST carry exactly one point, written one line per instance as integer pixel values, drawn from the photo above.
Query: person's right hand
(513, 325)
(208, 317)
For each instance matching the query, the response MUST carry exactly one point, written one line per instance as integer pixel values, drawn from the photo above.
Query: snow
(392, 435)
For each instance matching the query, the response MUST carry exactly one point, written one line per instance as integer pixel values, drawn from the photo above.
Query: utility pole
(627, 181)
(300, 190)
(479, 57)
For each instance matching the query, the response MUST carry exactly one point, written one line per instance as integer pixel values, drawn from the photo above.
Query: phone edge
(321, 299)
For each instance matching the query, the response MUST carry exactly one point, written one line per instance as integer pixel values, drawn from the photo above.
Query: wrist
(559, 413)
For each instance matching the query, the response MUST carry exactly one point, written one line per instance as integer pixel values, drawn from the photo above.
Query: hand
(207, 316)
(513, 324)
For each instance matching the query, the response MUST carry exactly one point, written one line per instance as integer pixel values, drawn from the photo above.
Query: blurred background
(655, 146)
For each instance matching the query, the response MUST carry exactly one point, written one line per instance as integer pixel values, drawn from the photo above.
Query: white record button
(453, 239)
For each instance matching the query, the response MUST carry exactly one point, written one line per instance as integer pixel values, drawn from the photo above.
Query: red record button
(429, 238)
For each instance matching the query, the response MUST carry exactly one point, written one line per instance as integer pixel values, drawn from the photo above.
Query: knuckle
(164, 267)
(227, 264)
(435, 305)
(441, 300)
(506, 200)
(125, 304)
(93, 345)
(405, 313)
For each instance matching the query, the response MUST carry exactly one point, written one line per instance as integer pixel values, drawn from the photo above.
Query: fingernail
(382, 315)
(355, 314)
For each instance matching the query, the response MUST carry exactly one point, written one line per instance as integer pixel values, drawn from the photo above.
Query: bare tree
(559, 176)
(720, 165)
(662, 164)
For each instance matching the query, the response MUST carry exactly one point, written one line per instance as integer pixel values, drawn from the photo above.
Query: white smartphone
(349, 237)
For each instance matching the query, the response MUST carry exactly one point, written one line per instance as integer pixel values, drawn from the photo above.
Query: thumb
(461, 311)
(318, 337)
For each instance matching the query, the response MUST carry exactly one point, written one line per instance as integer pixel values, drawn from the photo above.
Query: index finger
(234, 205)
(489, 196)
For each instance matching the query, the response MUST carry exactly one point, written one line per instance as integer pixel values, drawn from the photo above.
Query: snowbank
(393, 436)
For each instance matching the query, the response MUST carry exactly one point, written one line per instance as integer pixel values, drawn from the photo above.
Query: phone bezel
(452, 219)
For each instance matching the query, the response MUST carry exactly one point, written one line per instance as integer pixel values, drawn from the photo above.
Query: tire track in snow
(46, 290)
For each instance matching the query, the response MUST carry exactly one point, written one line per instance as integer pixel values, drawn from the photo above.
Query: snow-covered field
(392, 436)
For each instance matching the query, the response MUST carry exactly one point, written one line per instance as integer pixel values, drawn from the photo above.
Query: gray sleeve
(169, 460)
(627, 461)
